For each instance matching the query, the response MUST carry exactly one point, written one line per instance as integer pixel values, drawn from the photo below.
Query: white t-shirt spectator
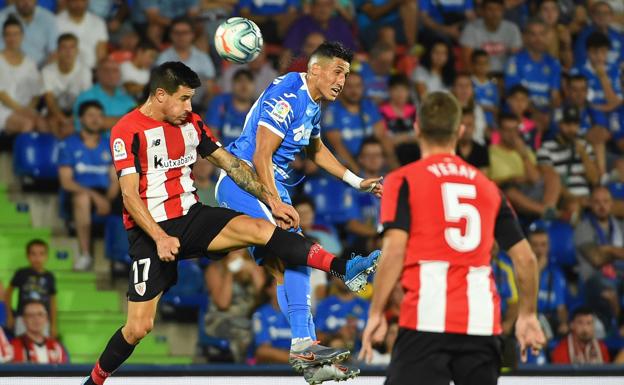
(432, 81)
(66, 87)
(498, 44)
(131, 73)
(90, 32)
(21, 82)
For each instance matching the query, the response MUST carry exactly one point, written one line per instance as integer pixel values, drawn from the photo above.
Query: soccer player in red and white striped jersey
(440, 218)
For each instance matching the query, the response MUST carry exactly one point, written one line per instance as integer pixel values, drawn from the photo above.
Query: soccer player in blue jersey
(283, 121)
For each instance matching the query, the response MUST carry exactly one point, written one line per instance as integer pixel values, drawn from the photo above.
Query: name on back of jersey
(452, 169)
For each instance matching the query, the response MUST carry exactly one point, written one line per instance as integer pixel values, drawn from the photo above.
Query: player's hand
(168, 247)
(374, 334)
(285, 215)
(529, 335)
(373, 186)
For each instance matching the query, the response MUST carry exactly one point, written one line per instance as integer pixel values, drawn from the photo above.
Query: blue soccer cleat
(358, 270)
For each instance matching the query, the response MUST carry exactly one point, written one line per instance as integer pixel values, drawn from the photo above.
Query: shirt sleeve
(516, 36)
(512, 75)
(560, 288)
(329, 119)
(395, 208)
(373, 112)
(316, 126)
(543, 156)
(18, 279)
(260, 329)
(207, 142)
(467, 38)
(65, 157)
(507, 230)
(52, 281)
(124, 145)
(278, 111)
(555, 77)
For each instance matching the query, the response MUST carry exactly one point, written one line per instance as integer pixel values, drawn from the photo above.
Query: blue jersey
(224, 119)
(332, 313)
(353, 127)
(287, 109)
(363, 20)
(375, 86)
(596, 93)
(271, 326)
(365, 207)
(91, 166)
(436, 9)
(616, 52)
(552, 290)
(617, 190)
(486, 95)
(332, 199)
(502, 270)
(616, 123)
(589, 118)
(540, 78)
(268, 7)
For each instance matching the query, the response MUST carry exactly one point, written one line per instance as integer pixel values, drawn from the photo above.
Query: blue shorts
(231, 196)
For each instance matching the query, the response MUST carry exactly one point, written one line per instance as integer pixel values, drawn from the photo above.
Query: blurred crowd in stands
(540, 83)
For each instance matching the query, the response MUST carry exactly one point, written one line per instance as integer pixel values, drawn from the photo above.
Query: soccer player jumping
(284, 120)
(153, 148)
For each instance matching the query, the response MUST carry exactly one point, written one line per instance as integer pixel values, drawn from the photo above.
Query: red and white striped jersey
(161, 154)
(452, 214)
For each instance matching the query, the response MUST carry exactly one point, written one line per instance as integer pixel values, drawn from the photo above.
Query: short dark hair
(303, 199)
(84, 106)
(499, 2)
(333, 49)
(66, 37)
(537, 231)
(439, 117)
(12, 20)
(369, 140)
(399, 80)
(180, 20)
(146, 45)
(467, 111)
(477, 53)
(597, 40)
(518, 89)
(171, 75)
(243, 73)
(32, 301)
(36, 242)
(507, 116)
(576, 78)
(581, 310)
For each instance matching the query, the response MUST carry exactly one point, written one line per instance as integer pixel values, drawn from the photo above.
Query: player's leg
(81, 210)
(139, 323)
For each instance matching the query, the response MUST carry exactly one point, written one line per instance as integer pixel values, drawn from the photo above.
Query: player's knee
(81, 199)
(137, 330)
(261, 231)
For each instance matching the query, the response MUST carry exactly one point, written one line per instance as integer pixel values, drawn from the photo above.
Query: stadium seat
(36, 155)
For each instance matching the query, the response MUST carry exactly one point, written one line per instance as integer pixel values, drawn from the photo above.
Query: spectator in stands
(399, 114)
(558, 35)
(20, 84)
(445, 19)
(594, 124)
(40, 31)
(400, 15)
(182, 49)
(300, 63)
(604, 78)
(6, 349)
(274, 17)
(470, 150)
(436, 72)
(616, 187)
(341, 317)
(519, 105)
(271, 330)
(485, 90)
(551, 297)
(135, 73)
(571, 157)
(499, 38)
(504, 276)
(63, 81)
(535, 69)
(321, 20)
(261, 67)
(464, 92)
(90, 29)
(234, 284)
(226, 113)
(376, 72)
(599, 240)
(581, 346)
(108, 91)
(88, 178)
(514, 168)
(159, 14)
(32, 283)
(602, 20)
(34, 346)
(350, 119)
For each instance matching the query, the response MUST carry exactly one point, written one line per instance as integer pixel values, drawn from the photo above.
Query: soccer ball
(238, 40)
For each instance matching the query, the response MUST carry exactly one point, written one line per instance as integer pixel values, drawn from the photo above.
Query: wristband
(353, 180)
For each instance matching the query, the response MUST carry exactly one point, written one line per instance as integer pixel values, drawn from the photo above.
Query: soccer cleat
(358, 270)
(315, 375)
(315, 355)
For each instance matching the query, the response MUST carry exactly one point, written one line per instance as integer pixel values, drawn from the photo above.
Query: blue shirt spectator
(437, 9)
(552, 290)
(271, 327)
(364, 21)
(169, 9)
(541, 77)
(116, 104)
(90, 166)
(596, 94)
(268, 7)
(589, 117)
(332, 199)
(502, 270)
(486, 95)
(40, 30)
(224, 119)
(353, 127)
(376, 85)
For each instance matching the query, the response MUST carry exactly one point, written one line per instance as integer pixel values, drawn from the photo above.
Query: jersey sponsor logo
(156, 142)
(140, 288)
(119, 149)
(161, 162)
(280, 111)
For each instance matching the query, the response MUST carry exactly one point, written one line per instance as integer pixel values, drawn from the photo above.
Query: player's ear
(461, 130)
(160, 94)
(416, 128)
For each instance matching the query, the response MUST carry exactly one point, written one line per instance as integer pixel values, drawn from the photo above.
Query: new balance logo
(155, 142)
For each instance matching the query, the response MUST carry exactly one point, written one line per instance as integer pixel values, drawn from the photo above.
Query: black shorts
(149, 276)
(438, 358)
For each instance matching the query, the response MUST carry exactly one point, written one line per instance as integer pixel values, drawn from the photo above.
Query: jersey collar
(304, 86)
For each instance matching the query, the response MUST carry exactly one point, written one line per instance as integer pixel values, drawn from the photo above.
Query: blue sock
(282, 300)
(311, 327)
(297, 287)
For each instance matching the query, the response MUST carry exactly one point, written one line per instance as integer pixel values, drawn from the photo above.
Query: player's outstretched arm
(248, 180)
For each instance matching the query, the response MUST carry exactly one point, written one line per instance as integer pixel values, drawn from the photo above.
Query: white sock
(298, 344)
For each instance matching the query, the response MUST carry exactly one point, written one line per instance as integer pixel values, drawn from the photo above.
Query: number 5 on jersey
(454, 211)
(145, 265)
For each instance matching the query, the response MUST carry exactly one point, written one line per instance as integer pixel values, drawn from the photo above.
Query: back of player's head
(439, 118)
(331, 50)
(597, 40)
(66, 37)
(84, 106)
(172, 75)
(10, 21)
(243, 73)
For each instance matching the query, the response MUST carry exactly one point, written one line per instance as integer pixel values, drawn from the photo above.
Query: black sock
(116, 353)
(338, 267)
